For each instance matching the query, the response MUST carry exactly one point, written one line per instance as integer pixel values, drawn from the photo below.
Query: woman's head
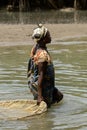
(41, 34)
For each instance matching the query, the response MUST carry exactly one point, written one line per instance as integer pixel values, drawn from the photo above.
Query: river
(52, 16)
(70, 61)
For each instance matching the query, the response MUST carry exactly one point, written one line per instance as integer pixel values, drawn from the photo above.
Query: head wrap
(39, 32)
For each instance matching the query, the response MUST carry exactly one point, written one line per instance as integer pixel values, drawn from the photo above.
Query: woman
(41, 71)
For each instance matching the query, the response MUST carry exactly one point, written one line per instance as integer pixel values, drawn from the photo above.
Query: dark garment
(49, 92)
(48, 82)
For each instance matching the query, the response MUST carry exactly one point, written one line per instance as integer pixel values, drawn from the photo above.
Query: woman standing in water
(41, 77)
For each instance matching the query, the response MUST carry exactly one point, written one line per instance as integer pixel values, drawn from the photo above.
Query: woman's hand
(39, 100)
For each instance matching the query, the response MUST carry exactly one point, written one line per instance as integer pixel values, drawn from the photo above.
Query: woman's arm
(42, 66)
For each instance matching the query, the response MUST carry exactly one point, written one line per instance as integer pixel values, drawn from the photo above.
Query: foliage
(28, 5)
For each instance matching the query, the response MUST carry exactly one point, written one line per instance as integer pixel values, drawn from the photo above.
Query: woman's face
(47, 38)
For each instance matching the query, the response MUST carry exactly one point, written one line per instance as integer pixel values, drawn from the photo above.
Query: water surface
(70, 61)
(52, 16)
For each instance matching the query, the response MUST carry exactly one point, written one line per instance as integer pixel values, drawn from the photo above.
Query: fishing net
(19, 109)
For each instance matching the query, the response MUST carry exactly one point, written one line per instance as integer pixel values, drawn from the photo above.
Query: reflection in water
(44, 17)
(70, 61)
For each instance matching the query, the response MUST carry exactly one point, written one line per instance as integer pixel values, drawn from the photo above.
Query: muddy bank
(20, 34)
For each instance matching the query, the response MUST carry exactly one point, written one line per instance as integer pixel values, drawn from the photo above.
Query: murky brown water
(52, 16)
(70, 61)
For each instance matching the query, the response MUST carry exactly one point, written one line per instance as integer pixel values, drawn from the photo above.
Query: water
(70, 61)
(67, 16)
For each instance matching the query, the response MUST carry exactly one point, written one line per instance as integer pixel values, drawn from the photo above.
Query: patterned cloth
(41, 55)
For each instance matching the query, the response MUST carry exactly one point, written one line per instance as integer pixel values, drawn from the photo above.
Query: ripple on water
(70, 62)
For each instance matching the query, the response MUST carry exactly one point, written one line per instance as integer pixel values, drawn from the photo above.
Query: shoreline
(20, 34)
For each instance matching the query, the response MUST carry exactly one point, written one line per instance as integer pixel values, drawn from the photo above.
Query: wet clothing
(48, 85)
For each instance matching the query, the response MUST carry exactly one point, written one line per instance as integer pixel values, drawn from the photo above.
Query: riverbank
(11, 35)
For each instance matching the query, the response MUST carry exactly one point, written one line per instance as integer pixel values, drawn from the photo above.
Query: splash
(19, 109)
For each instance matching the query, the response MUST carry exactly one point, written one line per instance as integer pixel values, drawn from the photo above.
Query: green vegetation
(29, 5)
